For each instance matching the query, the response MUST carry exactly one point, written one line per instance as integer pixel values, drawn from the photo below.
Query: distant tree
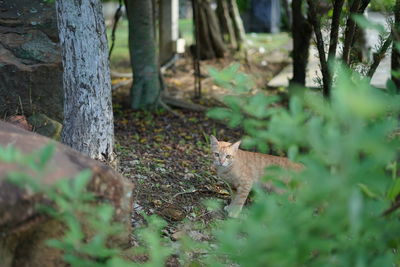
(146, 87)
(231, 23)
(208, 33)
(88, 117)
(301, 32)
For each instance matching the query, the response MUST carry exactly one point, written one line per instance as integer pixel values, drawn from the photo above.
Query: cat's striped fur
(241, 169)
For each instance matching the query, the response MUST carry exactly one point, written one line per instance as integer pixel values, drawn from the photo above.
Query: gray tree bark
(146, 87)
(88, 118)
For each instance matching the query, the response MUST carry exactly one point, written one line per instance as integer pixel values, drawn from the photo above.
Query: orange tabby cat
(241, 169)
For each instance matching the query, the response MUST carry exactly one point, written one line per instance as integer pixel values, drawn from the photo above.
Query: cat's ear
(214, 142)
(236, 145)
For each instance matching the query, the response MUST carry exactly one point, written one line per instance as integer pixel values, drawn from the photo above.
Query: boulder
(30, 59)
(24, 230)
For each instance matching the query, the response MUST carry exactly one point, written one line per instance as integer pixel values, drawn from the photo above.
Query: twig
(117, 16)
(185, 192)
(390, 210)
(314, 20)
(379, 55)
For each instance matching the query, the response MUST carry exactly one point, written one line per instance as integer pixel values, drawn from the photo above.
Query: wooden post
(168, 27)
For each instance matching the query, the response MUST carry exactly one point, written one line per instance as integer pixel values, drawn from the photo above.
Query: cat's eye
(228, 156)
(216, 154)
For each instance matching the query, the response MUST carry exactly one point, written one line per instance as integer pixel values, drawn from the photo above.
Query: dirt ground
(168, 156)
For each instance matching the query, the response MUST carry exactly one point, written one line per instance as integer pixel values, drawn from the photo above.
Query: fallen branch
(115, 74)
(182, 104)
(168, 108)
(120, 84)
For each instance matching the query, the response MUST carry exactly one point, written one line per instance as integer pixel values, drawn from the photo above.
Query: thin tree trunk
(334, 35)
(237, 23)
(287, 13)
(301, 32)
(146, 88)
(349, 32)
(88, 116)
(315, 21)
(379, 55)
(395, 52)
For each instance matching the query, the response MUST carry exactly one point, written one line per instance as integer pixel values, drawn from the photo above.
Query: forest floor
(168, 157)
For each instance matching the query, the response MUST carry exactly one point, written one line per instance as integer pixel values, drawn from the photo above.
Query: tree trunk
(88, 117)
(226, 22)
(395, 52)
(238, 27)
(301, 32)
(210, 37)
(146, 87)
(168, 29)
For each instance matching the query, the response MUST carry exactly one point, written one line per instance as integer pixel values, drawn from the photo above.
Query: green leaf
(44, 155)
(391, 87)
(81, 181)
(292, 152)
(105, 213)
(367, 191)
(364, 23)
(394, 190)
(219, 113)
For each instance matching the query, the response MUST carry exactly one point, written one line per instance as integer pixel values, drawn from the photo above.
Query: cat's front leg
(238, 200)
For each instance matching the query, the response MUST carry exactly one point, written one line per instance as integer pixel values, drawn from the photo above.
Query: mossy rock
(45, 126)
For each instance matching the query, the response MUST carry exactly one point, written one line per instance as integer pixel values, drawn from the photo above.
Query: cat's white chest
(228, 176)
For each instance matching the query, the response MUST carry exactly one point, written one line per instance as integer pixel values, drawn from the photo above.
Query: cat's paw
(233, 210)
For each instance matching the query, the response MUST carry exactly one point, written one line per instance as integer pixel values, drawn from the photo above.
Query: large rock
(23, 230)
(30, 59)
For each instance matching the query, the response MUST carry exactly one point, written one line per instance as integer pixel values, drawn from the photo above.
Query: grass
(120, 55)
(121, 49)
(267, 40)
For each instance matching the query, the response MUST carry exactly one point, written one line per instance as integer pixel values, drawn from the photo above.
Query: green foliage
(331, 213)
(382, 5)
(364, 23)
(243, 5)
